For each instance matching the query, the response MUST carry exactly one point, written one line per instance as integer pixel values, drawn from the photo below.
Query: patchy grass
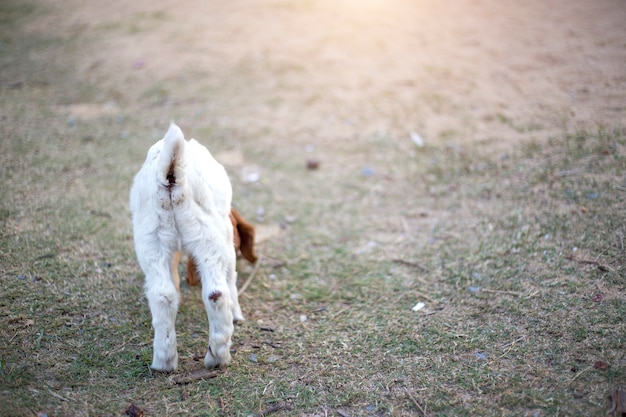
(518, 258)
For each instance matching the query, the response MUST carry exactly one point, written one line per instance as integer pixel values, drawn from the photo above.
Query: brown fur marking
(215, 295)
(193, 277)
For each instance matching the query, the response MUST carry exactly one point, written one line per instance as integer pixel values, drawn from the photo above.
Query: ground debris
(600, 266)
(133, 411)
(417, 139)
(618, 402)
(273, 344)
(251, 276)
(597, 297)
(418, 306)
(411, 264)
(312, 164)
(194, 376)
(422, 411)
(275, 408)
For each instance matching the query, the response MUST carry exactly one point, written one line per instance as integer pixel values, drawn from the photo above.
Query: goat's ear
(245, 231)
(233, 219)
(193, 277)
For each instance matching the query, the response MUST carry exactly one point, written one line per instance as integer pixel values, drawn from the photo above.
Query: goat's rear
(180, 200)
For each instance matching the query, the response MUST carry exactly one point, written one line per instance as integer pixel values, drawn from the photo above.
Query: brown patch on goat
(193, 276)
(171, 174)
(215, 295)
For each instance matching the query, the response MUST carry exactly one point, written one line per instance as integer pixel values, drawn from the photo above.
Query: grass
(519, 259)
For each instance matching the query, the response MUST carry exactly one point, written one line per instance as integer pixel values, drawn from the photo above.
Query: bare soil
(468, 71)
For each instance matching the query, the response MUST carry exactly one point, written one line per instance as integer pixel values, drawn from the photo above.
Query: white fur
(188, 211)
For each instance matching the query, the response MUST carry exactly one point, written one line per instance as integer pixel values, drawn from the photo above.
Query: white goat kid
(181, 199)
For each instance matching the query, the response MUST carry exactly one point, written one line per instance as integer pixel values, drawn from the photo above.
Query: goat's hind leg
(217, 301)
(163, 300)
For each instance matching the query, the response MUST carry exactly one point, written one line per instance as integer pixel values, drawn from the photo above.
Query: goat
(181, 200)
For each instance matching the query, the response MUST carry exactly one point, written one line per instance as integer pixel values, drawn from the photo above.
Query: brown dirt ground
(466, 71)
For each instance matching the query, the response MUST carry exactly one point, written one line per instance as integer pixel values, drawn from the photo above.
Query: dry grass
(518, 257)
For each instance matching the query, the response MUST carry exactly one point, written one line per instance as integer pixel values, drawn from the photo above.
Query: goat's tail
(171, 161)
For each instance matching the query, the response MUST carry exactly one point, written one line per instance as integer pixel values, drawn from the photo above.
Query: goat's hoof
(212, 361)
(238, 316)
(165, 365)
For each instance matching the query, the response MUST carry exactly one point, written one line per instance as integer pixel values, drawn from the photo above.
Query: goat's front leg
(234, 295)
(217, 301)
(163, 301)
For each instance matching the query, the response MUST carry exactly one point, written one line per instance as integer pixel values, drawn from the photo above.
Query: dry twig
(515, 293)
(275, 408)
(252, 274)
(54, 394)
(587, 369)
(411, 264)
(601, 266)
(508, 346)
(417, 293)
(421, 410)
(195, 376)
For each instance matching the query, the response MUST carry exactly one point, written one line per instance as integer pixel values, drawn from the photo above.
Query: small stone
(417, 139)
(139, 64)
(290, 219)
(418, 306)
(312, 164)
